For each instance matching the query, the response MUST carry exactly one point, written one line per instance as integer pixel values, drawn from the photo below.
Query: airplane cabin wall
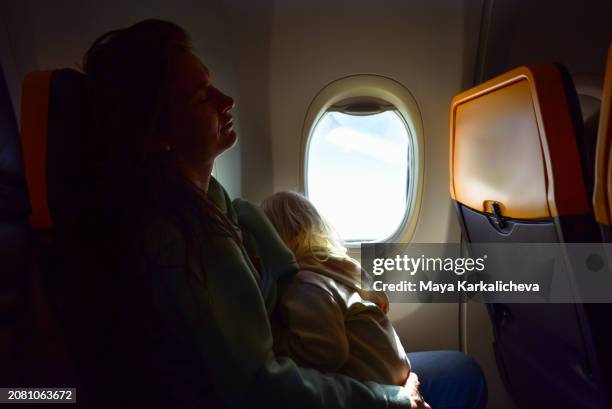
(430, 48)
(576, 34)
(315, 43)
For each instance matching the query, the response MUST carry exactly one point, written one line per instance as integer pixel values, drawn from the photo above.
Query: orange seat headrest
(34, 127)
(54, 143)
(513, 143)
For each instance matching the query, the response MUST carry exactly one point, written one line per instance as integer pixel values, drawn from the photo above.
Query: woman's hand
(416, 400)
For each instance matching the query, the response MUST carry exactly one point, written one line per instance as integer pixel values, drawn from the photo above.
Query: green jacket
(213, 339)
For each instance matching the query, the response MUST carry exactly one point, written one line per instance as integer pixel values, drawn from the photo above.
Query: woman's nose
(226, 102)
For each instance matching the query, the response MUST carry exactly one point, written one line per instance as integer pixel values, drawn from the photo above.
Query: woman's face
(200, 117)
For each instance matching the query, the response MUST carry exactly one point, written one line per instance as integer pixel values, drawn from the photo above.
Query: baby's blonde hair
(302, 228)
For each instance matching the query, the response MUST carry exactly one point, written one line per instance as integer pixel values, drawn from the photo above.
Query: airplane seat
(60, 159)
(52, 115)
(15, 239)
(588, 89)
(602, 196)
(518, 174)
(603, 188)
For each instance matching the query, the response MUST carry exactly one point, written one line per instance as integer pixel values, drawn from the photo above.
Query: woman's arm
(222, 322)
(275, 255)
(275, 258)
(314, 334)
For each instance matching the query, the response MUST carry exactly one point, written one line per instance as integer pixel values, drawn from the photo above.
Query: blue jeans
(449, 380)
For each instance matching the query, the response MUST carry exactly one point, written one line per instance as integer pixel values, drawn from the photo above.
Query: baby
(323, 317)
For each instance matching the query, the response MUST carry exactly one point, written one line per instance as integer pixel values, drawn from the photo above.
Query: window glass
(357, 173)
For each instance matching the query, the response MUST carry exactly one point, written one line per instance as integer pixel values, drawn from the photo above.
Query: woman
(185, 297)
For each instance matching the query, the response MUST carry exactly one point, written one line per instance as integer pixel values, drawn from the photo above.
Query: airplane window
(357, 168)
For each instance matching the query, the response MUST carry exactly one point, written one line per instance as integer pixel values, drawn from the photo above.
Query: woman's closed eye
(207, 94)
(202, 97)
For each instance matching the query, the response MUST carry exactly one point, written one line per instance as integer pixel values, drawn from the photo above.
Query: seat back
(602, 195)
(54, 113)
(44, 140)
(517, 175)
(97, 307)
(47, 141)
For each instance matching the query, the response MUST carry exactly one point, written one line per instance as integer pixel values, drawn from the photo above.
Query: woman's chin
(228, 140)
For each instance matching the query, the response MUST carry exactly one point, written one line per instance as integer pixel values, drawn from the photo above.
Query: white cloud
(367, 144)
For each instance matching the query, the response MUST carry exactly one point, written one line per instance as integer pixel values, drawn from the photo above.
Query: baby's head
(301, 227)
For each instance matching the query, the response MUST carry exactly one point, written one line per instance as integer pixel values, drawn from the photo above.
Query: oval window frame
(390, 90)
